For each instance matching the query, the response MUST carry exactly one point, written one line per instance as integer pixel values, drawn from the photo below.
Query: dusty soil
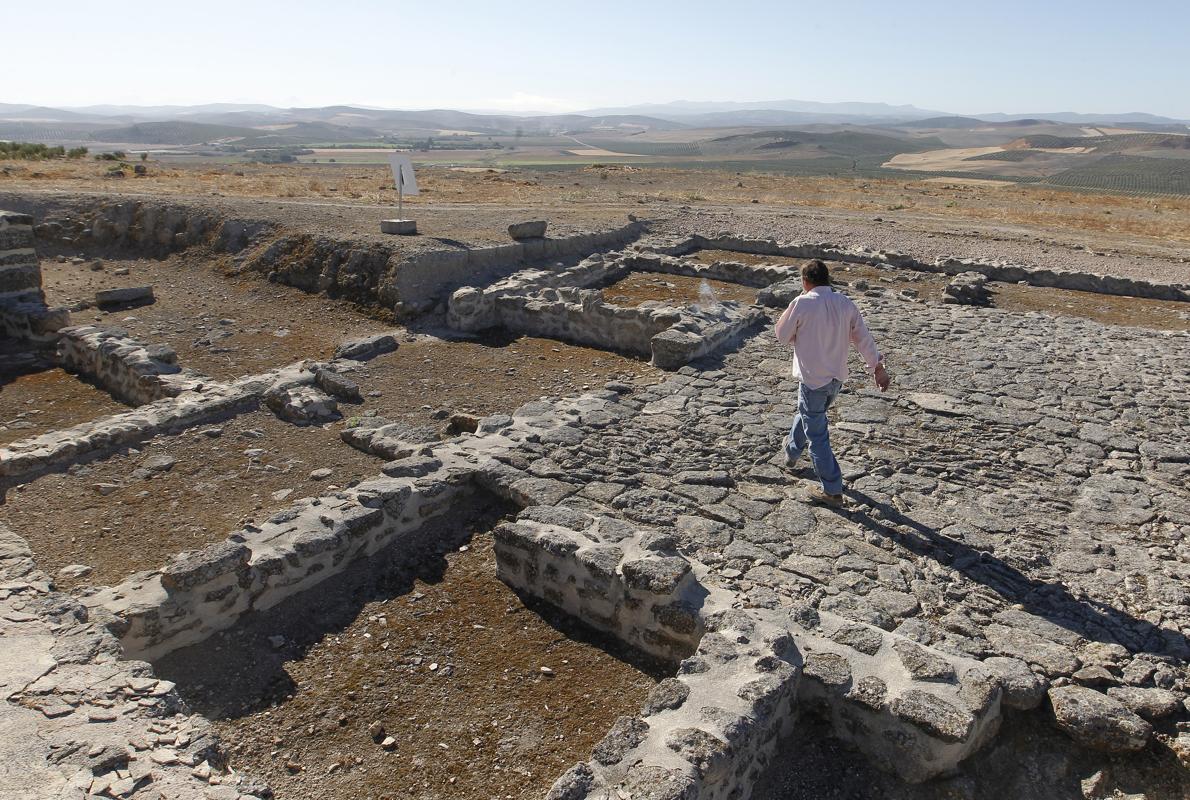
(1105, 308)
(1108, 309)
(214, 487)
(149, 515)
(679, 290)
(50, 400)
(477, 206)
(497, 374)
(446, 658)
(221, 325)
(928, 285)
(711, 256)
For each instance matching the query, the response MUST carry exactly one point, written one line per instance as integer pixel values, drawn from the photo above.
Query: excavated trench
(414, 673)
(398, 280)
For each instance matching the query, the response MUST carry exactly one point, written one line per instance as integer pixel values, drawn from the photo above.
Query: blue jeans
(809, 427)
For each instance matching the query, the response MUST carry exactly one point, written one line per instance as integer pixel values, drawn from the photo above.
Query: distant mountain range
(782, 112)
(771, 112)
(263, 125)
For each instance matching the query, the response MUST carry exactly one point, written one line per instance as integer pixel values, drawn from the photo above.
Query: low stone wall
(582, 317)
(701, 332)
(708, 732)
(25, 460)
(431, 277)
(412, 284)
(555, 304)
(33, 323)
(993, 271)
(366, 274)
(20, 272)
(756, 275)
(133, 372)
(201, 592)
(647, 598)
(23, 312)
(744, 675)
(156, 227)
(77, 720)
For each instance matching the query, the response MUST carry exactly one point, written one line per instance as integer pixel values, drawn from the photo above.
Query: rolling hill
(181, 132)
(809, 144)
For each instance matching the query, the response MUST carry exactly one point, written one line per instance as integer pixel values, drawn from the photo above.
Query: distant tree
(144, 156)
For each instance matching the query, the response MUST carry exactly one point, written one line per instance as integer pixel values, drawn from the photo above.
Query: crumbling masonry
(658, 515)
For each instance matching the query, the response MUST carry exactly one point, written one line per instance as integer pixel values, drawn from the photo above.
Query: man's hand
(882, 377)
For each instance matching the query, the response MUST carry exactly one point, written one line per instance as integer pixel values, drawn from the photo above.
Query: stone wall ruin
(558, 304)
(764, 611)
(23, 313)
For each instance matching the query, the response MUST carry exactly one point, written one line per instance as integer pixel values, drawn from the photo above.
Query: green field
(1006, 155)
(1130, 174)
(1111, 144)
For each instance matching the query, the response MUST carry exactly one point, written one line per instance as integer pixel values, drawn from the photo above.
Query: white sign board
(403, 178)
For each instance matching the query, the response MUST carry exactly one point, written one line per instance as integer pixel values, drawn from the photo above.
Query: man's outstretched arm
(865, 345)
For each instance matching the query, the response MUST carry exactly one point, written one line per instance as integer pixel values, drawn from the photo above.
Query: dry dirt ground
(679, 290)
(447, 660)
(119, 515)
(221, 325)
(349, 200)
(494, 374)
(135, 510)
(38, 402)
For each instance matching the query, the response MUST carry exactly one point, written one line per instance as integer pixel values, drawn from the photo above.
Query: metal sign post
(406, 182)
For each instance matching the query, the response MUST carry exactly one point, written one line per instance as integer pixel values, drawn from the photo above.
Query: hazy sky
(952, 55)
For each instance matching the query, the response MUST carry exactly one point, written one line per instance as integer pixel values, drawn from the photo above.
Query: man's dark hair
(816, 273)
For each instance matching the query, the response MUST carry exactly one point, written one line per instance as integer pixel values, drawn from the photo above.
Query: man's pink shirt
(820, 325)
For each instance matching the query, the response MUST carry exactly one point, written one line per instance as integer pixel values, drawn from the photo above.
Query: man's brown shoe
(818, 496)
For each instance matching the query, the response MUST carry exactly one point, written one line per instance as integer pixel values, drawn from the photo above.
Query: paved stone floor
(1020, 492)
(1020, 497)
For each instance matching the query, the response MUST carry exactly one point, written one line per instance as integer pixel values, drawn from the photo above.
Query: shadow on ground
(1053, 602)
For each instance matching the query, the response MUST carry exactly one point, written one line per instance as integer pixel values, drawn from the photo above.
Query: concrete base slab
(400, 227)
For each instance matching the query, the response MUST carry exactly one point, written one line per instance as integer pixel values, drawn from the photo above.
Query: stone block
(339, 385)
(302, 405)
(1098, 721)
(527, 230)
(367, 347)
(193, 569)
(131, 295)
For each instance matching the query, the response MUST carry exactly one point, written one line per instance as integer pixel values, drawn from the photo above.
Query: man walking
(821, 324)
